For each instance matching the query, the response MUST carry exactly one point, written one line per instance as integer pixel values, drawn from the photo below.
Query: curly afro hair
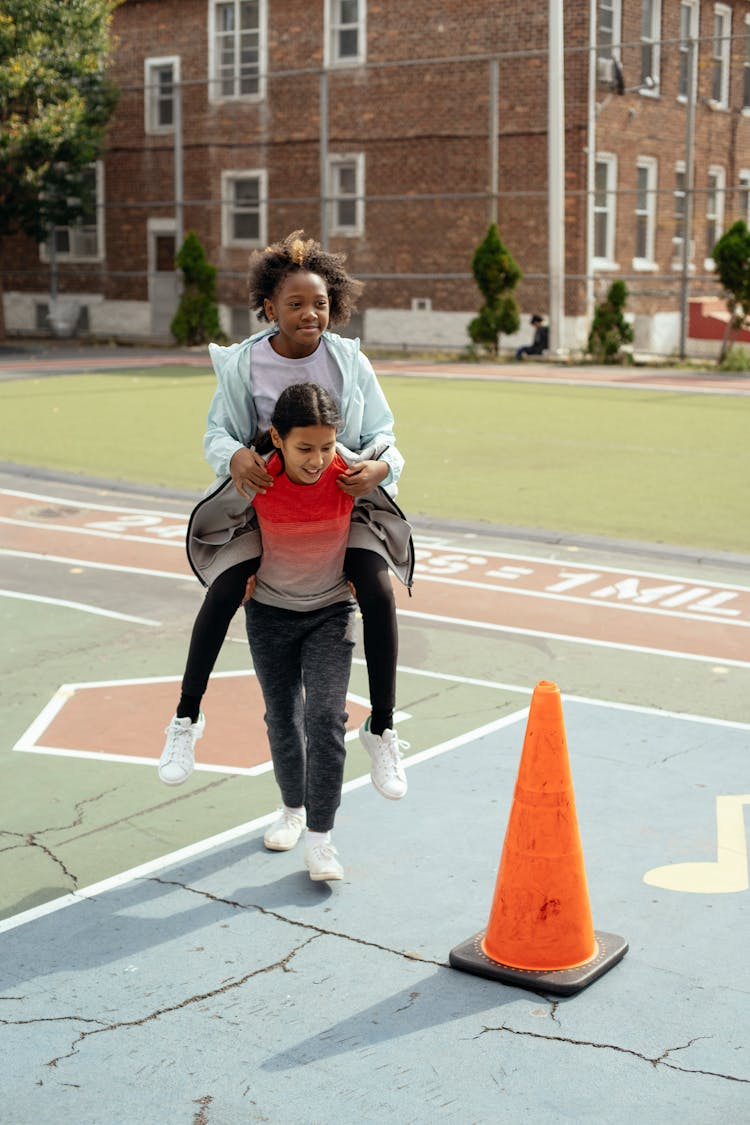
(269, 267)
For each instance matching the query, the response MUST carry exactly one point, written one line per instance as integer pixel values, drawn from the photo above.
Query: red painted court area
(613, 605)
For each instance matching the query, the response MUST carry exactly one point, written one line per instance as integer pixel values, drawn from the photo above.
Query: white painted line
(87, 565)
(132, 760)
(201, 847)
(570, 599)
(571, 638)
(93, 532)
(80, 606)
(30, 741)
(568, 564)
(85, 505)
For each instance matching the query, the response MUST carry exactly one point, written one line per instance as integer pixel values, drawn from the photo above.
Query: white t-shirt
(273, 372)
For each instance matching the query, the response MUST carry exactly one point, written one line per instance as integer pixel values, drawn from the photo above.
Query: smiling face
(301, 309)
(307, 451)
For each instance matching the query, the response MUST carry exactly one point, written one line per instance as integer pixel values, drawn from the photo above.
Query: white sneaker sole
(325, 876)
(168, 781)
(280, 847)
(389, 796)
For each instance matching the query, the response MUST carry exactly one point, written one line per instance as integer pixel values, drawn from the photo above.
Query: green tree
(197, 318)
(496, 273)
(732, 257)
(55, 102)
(609, 328)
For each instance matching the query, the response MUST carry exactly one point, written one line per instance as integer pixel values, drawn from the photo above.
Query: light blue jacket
(233, 421)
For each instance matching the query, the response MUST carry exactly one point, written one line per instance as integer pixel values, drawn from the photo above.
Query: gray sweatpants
(303, 662)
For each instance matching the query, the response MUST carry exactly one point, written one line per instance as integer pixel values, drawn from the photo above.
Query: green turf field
(657, 466)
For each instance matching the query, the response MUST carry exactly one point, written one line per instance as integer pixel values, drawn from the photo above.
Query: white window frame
(721, 46)
(743, 194)
(611, 49)
(645, 211)
(78, 231)
(651, 41)
(609, 159)
(714, 211)
(692, 31)
(746, 70)
(215, 94)
(679, 215)
(336, 196)
(228, 209)
(333, 24)
(151, 92)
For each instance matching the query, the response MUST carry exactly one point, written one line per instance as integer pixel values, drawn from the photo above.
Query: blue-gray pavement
(229, 988)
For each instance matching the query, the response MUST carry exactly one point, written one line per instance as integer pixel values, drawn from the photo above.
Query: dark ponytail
(301, 404)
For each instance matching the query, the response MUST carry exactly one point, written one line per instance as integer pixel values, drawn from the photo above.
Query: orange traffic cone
(540, 934)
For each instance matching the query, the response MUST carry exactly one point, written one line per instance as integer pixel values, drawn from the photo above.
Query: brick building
(418, 124)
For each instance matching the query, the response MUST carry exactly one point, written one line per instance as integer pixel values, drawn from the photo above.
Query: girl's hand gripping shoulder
(249, 473)
(363, 477)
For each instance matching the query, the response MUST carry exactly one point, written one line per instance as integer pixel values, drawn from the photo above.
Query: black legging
(367, 572)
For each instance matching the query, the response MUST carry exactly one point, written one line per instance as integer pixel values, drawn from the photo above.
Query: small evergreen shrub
(496, 273)
(197, 318)
(609, 329)
(732, 257)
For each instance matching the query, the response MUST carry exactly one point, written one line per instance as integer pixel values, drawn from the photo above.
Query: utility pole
(687, 217)
(323, 106)
(556, 177)
(494, 128)
(179, 222)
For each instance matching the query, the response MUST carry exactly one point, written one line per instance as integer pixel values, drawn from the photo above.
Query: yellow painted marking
(729, 872)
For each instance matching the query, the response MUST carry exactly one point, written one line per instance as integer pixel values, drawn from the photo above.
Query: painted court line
(88, 565)
(80, 606)
(571, 599)
(191, 851)
(572, 638)
(94, 533)
(31, 742)
(447, 546)
(728, 873)
(727, 839)
(86, 504)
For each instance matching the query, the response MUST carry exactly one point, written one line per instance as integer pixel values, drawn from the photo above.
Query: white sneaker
(321, 862)
(284, 833)
(178, 756)
(387, 773)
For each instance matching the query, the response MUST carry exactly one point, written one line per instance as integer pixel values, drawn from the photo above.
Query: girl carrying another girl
(300, 289)
(300, 615)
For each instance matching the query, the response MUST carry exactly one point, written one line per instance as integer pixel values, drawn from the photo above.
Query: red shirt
(305, 530)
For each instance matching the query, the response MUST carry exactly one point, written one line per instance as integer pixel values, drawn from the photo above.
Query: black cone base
(469, 957)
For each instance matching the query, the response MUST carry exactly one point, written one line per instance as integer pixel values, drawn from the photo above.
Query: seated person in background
(540, 342)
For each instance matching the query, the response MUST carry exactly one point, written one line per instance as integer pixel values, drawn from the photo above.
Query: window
(345, 42)
(645, 211)
(237, 45)
(346, 179)
(608, 27)
(243, 209)
(160, 77)
(714, 211)
(650, 29)
(605, 178)
(84, 240)
(680, 205)
(743, 195)
(720, 47)
(689, 24)
(746, 69)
